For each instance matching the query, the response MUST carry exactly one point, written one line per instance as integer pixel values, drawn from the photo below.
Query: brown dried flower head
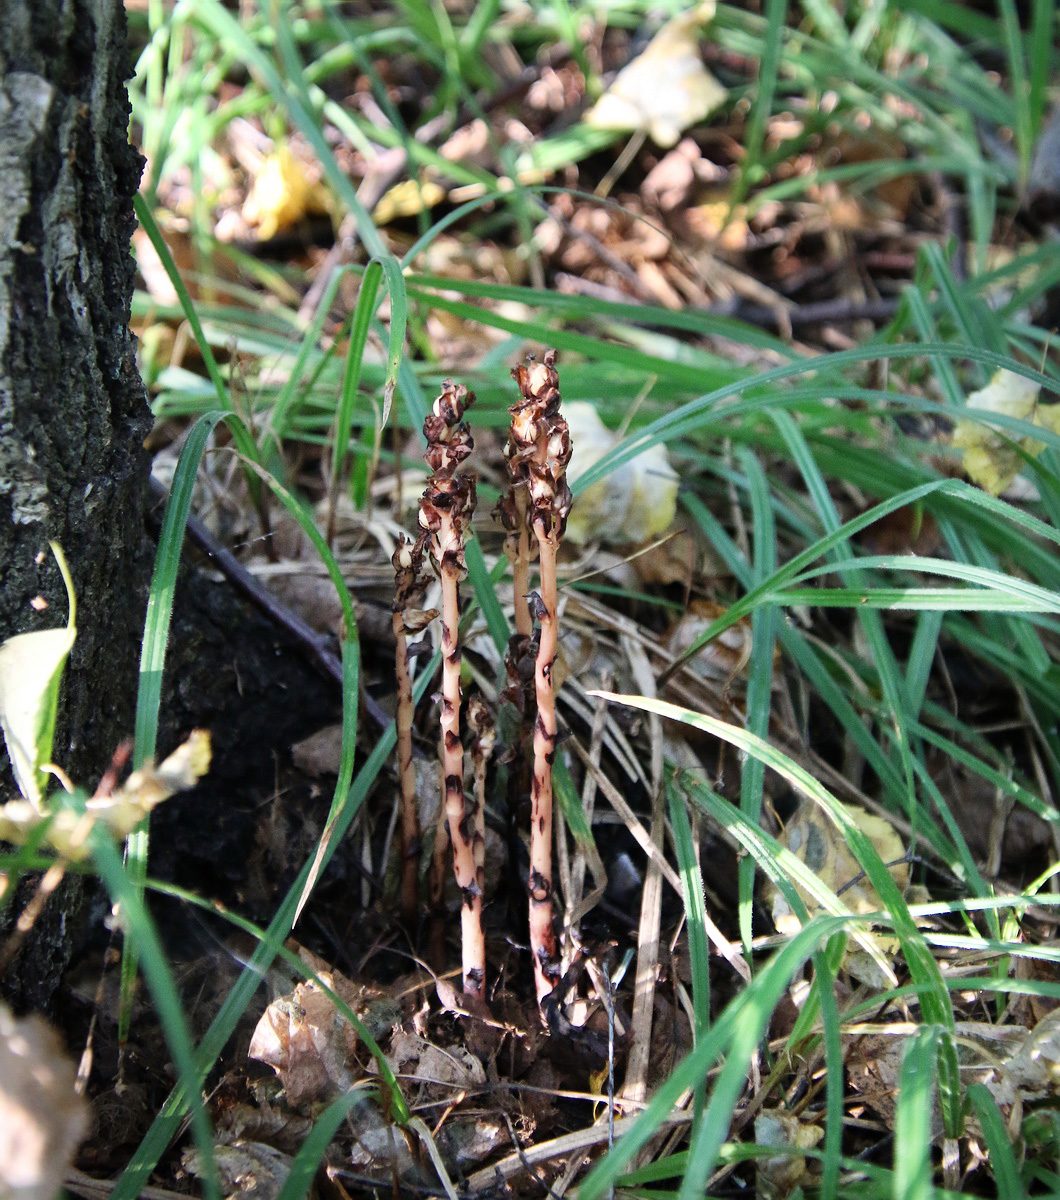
(449, 499)
(540, 445)
(409, 584)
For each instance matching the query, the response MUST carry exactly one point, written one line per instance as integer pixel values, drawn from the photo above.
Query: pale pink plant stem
(407, 560)
(445, 513)
(480, 722)
(540, 445)
(542, 931)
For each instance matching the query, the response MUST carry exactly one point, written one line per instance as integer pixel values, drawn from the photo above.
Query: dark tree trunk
(73, 413)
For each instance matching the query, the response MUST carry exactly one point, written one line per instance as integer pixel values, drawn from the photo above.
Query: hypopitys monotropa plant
(538, 455)
(408, 619)
(445, 516)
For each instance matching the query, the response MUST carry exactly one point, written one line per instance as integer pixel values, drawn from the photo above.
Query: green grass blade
(307, 1161)
(912, 1126)
(922, 966)
(695, 907)
(152, 671)
(735, 1035)
(351, 379)
(760, 670)
(831, 1025)
(751, 170)
(140, 929)
(1007, 1178)
(163, 587)
(484, 586)
(154, 234)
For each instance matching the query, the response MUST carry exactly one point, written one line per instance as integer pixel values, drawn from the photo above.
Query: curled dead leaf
(308, 1042)
(42, 1118)
(992, 456)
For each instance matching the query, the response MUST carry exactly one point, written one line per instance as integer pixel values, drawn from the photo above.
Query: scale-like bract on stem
(538, 454)
(484, 737)
(445, 516)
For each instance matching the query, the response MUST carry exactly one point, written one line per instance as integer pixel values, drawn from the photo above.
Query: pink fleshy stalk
(541, 444)
(445, 515)
(484, 732)
(408, 590)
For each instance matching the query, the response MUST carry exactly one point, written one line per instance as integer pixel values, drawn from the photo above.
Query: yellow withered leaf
(31, 670)
(282, 194)
(813, 838)
(67, 829)
(408, 198)
(634, 502)
(993, 457)
(665, 89)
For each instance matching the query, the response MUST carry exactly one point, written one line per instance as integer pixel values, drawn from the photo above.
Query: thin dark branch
(316, 646)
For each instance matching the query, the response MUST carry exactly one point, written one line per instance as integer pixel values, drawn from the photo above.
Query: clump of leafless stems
(534, 512)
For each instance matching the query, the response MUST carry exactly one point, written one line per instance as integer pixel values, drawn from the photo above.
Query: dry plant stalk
(445, 516)
(538, 456)
(408, 619)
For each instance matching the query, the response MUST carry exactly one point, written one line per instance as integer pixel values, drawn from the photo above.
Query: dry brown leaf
(877, 145)
(442, 1071)
(381, 1149)
(779, 1176)
(724, 657)
(310, 1044)
(1015, 1064)
(1034, 1066)
(263, 1121)
(42, 1118)
(669, 183)
(467, 1140)
(320, 753)
(874, 1064)
(246, 1169)
(718, 223)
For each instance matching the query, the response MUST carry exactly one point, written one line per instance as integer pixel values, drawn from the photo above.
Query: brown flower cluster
(449, 500)
(540, 448)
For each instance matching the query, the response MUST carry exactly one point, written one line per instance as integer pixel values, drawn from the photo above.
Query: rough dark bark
(73, 413)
